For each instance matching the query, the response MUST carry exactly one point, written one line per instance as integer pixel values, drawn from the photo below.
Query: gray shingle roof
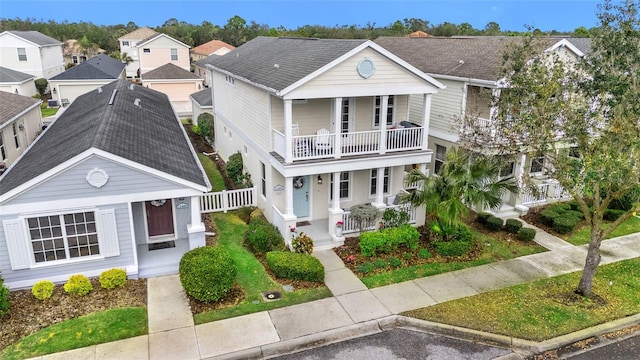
(36, 37)
(150, 135)
(11, 76)
(467, 57)
(206, 61)
(203, 98)
(13, 104)
(99, 67)
(583, 44)
(295, 58)
(169, 71)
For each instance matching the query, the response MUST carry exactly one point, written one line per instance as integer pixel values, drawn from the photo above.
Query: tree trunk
(592, 261)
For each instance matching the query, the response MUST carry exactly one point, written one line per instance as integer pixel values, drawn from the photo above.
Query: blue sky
(561, 15)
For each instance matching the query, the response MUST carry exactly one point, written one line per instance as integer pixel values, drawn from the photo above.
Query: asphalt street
(627, 349)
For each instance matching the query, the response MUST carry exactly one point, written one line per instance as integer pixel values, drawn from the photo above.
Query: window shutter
(17, 244)
(107, 232)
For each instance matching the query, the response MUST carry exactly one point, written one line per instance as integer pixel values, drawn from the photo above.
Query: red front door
(159, 217)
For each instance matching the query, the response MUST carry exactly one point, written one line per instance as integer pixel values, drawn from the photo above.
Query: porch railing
(228, 200)
(351, 225)
(536, 197)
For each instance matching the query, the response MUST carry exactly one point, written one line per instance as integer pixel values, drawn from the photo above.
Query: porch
(161, 258)
(548, 190)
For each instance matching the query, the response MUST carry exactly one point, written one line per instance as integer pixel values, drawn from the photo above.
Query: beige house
(213, 47)
(17, 82)
(20, 124)
(175, 82)
(73, 53)
(160, 49)
(128, 45)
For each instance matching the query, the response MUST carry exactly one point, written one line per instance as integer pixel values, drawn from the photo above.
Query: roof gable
(169, 71)
(203, 98)
(210, 47)
(37, 38)
(98, 67)
(14, 105)
(12, 76)
(138, 34)
(158, 36)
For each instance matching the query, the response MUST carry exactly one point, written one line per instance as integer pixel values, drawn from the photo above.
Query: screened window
(441, 155)
(373, 181)
(390, 110)
(22, 54)
(63, 237)
(343, 186)
(174, 54)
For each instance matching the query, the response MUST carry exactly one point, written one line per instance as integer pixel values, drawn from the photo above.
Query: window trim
(391, 104)
(349, 189)
(533, 159)
(24, 54)
(125, 43)
(263, 180)
(437, 160)
(386, 180)
(174, 54)
(16, 138)
(146, 50)
(3, 150)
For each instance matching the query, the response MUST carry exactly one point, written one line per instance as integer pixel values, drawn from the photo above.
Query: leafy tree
(234, 32)
(41, 85)
(581, 32)
(492, 28)
(551, 104)
(205, 124)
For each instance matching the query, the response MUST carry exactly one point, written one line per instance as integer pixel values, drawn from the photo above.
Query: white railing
(539, 196)
(228, 200)
(361, 142)
(404, 139)
(351, 225)
(279, 143)
(278, 220)
(559, 193)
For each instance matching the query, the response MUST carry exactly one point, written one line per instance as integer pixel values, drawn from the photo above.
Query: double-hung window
(174, 54)
(263, 180)
(377, 109)
(441, 155)
(343, 187)
(22, 54)
(63, 237)
(16, 138)
(3, 152)
(373, 181)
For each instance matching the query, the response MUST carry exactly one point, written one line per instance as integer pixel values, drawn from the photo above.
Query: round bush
(365, 268)
(302, 244)
(4, 301)
(288, 265)
(207, 273)
(395, 262)
(110, 279)
(481, 217)
(424, 253)
(452, 248)
(494, 223)
(548, 216)
(526, 234)
(42, 290)
(573, 213)
(78, 285)
(235, 167)
(565, 224)
(263, 237)
(512, 226)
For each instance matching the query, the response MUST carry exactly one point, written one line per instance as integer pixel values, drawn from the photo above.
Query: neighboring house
(90, 75)
(201, 102)
(75, 54)
(113, 182)
(20, 124)
(160, 49)
(201, 69)
(177, 83)
(213, 47)
(128, 45)
(17, 82)
(317, 122)
(31, 52)
(469, 67)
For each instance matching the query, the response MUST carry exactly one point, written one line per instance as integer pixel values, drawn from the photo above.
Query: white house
(17, 82)
(318, 124)
(113, 182)
(20, 124)
(128, 45)
(201, 102)
(31, 52)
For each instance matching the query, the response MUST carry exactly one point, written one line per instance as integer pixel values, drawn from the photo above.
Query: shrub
(395, 262)
(302, 244)
(41, 85)
(424, 253)
(234, 167)
(565, 224)
(288, 265)
(574, 213)
(560, 208)
(113, 278)
(244, 213)
(548, 216)
(380, 264)
(625, 202)
(407, 256)
(78, 285)
(256, 213)
(612, 214)
(395, 218)
(453, 247)
(262, 236)
(365, 268)
(389, 240)
(526, 234)
(482, 217)
(364, 215)
(494, 223)
(207, 273)
(205, 123)
(574, 205)
(4, 301)
(42, 290)
(512, 226)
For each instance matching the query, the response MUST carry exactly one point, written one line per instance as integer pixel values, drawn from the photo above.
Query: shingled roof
(13, 105)
(148, 134)
(169, 71)
(12, 76)
(98, 67)
(203, 98)
(138, 34)
(466, 57)
(36, 37)
(277, 63)
(210, 47)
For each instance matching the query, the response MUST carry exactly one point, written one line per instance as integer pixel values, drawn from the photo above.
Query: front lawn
(46, 111)
(582, 236)
(215, 178)
(545, 308)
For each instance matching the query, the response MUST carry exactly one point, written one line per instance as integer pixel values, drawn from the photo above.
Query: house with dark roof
(322, 125)
(31, 52)
(469, 67)
(113, 182)
(129, 46)
(87, 76)
(20, 124)
(177, 83)
(201, 102)
(17, 82)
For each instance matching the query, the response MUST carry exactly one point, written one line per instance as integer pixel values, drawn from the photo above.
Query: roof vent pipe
(131, 86)
(100, 90)
(136, 102)
(113, 96)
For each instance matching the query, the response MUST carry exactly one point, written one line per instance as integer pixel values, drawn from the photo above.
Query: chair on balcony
(301, 147)
(323, 141)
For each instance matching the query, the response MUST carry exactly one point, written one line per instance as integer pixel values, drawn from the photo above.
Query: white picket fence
(226, 200)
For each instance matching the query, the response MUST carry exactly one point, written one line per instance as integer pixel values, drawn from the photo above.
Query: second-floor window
(230, 80)
(74, 59)
(174, 54)
(146, 51)
(3, 152)
(125, 43)
(263, 180)
(537, 164)
(16, 139)
(22, 54)
(377, 109)
(441, 155)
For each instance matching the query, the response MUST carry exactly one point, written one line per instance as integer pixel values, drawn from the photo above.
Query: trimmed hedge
(235, 167)
(574, 213)
(526, 234)
(78, 285)
(612, 214)
(548, 216)
(262, 236)
(42, 290)
(4, 301)
(565, 224)
(207, 273)
(113, 278)
(388, 240)
(512, 226)
(494, 223)
(452, 248)
(482, 217)
(288, 265)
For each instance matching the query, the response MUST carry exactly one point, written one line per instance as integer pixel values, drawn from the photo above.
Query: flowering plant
(351, 258)
(292, 228)
(339, 224)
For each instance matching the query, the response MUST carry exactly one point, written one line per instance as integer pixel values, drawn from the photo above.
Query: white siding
(446, 108)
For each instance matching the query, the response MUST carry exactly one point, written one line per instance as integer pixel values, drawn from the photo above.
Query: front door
(159, 217)
(301, 196)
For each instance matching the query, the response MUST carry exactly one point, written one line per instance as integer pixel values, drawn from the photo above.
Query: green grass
(96, 328)
(494, 250)
(582, 236)
(48, 111)
(252, 276)
(215, 178)
(545, 308)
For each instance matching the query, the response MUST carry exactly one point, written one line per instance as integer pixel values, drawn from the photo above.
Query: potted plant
(339, 228)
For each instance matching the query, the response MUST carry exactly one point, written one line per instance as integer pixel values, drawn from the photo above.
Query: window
(22, 54)
(63, 237)
(263, 180)
(507, 170)
(174, 54)
(441, 155)
(230, 80)
(3, 152)
(390, 112)
(74, 59)
(373, 181)
(537, 164)
(16, 139)
(125, 43)
(83, 59)
(343, 187)
(146, 51)
(344, 120)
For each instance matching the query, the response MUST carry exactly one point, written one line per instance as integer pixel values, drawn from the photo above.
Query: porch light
(278, 188)
(54, 91)
(319, 180)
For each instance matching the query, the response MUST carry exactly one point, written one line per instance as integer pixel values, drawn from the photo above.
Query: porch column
(426, 115)
(335, 212)
(196, 228)
(337, 127)
(379, 188)
(288, 124)
(336, 191)
(384, 104)
(288, 193)
(520, 168)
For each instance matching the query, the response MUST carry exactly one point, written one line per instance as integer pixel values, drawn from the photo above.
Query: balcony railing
(549, 190)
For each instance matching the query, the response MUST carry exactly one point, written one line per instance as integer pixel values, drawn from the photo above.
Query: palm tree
(465, 179)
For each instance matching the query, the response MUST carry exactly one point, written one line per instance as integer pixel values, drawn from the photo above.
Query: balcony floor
(347, 157)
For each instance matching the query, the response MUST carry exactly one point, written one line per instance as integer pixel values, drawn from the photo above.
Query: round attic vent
(366, 68)
(97, 177)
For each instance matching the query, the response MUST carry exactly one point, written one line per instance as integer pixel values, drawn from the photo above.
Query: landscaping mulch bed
(28, 314)
(204, 147)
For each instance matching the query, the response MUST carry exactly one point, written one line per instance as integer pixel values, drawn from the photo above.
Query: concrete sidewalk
(353, 310)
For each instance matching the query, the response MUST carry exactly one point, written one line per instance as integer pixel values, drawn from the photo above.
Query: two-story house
(321, 126)
(469, 67)
(160, 49)
(177, 83)
(17, 82)
(199, 54)
(31, 52)
(20, 124)
(75, 54)
(128, 45)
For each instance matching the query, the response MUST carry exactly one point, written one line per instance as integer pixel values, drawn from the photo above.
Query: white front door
(301, 196)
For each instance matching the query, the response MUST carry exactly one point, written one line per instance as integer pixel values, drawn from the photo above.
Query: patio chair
(323, 141)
